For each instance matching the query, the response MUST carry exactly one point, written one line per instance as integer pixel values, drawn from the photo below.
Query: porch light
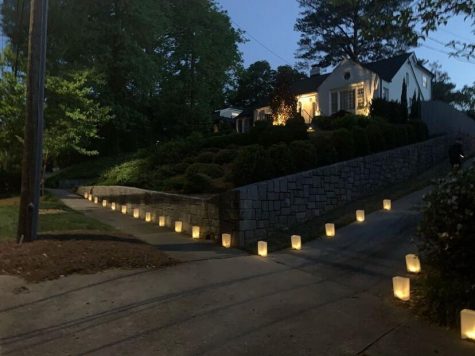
(330, 230)
(387, 204)
(136, 213)
(262, 248)
(413, 264)
(178, 226)
(161, 221)
(124, 209)
(467, 324)
(296, 241)
(104, 203)
(226, 240)
(402, 288)
(113, 206)
(360, 215)
(195, 232)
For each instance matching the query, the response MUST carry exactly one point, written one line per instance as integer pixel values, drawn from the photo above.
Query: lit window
(334, 102)
(347, 99)
(424, 81)
(360, 97)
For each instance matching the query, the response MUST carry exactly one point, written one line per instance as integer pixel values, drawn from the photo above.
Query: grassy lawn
(345, 215)
(54, 216)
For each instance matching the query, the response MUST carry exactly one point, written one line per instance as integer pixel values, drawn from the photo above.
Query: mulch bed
(58, 255)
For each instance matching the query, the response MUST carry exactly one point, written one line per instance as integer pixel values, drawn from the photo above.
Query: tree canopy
(362, 30)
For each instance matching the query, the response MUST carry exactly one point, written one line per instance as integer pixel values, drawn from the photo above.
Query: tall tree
(443, 89)
(362, 30)
(283, 103)
(254, 84)
(404, 99)
(434, 13)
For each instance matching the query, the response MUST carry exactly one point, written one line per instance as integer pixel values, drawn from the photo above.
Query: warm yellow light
(413, 264)
(402, 288)
(178, 226)
(104, 203)
(123, 209)
(330, 230)
(296, 241)
(136, 213)
(86, 195)
(262, 248)
(96, 200)
(90, 198)
(467, 324)
(195, 232)
(161, 221)
(148, 217)
(226, 240)
(387, 204)
(113, 206)
(360, 215)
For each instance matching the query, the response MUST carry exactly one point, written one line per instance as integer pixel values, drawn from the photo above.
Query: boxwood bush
(447, 243)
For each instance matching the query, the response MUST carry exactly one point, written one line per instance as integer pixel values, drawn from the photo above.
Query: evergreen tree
(404, 100)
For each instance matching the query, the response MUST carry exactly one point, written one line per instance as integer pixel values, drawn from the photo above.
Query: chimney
(315, 70)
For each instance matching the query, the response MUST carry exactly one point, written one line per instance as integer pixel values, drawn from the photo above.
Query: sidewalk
(332, 298)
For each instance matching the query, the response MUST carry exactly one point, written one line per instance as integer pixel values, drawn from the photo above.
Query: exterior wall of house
(260, 113)
(415, 75)
(358, 76)
(307, 104)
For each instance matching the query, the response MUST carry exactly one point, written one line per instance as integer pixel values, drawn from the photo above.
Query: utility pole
(33, 140)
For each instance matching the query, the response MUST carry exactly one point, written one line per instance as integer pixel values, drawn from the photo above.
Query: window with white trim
(347, 99)
(334, 102)
(360, 97)
(424, 81)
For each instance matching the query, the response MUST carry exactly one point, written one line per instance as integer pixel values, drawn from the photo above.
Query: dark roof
(387, 68)
(308, 85)
(245, 113)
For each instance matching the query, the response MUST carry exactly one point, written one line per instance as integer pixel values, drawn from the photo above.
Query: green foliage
(393, 111)
(304, 155)
(360, 141)
(131, 173)
(375, 138)
(251, 165)
(344, 144)
(346, 121)
(282, 97)
(196, 183)
(281, 161)
(205, 157)
(225, 156)
(325, 148)
(446, 235)
(359, 30)
(211, 170)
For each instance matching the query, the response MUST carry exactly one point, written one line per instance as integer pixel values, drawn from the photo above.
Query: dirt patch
(59, 255)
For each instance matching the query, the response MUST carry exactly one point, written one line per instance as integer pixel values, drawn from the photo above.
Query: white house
(352, 85)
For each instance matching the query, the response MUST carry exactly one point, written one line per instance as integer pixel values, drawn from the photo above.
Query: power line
(262, 44)
(455, 34)
(446, 53)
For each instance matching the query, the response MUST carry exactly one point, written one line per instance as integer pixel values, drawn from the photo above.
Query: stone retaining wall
(276, 204)
(255, 211)
(203, 211)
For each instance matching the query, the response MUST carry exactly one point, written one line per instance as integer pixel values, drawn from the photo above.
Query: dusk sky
(269, 26)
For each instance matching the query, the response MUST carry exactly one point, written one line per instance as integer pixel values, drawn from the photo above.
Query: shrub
(251, 165)
(447, 242)
(325, 148)
(360, 141)
(196, 183)
(205, 157)
(174, 184)
(343, 143)
(390, 110)
(210, 169)
(296, 128)
(225, 156)
(131, 173)
(375, 137)
(304, 155)
(281, 160)
(420, 129)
